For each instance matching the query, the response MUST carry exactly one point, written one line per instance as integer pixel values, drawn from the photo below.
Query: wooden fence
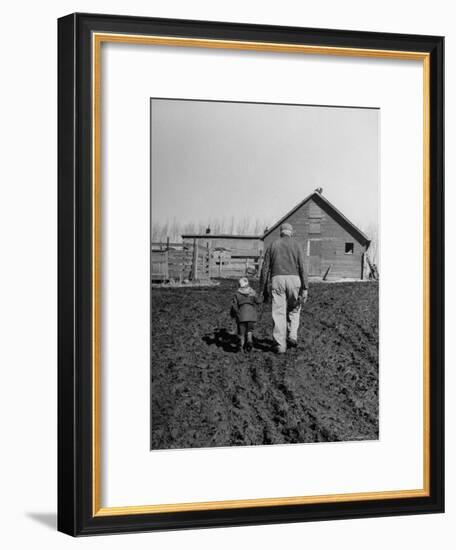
(194, 262)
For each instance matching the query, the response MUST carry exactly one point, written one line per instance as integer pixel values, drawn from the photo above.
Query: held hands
(304, 296)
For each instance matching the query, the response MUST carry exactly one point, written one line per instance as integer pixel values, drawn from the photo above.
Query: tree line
(174, 229)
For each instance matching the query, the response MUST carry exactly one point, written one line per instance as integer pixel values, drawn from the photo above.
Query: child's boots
(241, 343)
(249, 343)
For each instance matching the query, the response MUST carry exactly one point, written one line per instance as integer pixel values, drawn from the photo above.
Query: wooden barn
(333, 246)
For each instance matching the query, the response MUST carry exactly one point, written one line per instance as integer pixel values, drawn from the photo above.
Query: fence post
(260, 263)
(195, 260)
(208, 267)
(167, 259)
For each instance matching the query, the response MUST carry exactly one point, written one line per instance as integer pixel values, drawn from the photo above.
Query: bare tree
(174, 229)
(371, 230)
(230, 226)
(260, 226)
(242, 226)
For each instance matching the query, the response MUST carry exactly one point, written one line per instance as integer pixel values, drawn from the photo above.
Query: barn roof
(329, 207)
(218, 236)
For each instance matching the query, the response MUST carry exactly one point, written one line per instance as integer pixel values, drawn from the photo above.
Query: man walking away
(283, 268)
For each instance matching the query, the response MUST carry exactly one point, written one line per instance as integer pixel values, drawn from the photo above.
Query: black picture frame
(75, 269)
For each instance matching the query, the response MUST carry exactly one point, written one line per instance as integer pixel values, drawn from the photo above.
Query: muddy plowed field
(205, 394)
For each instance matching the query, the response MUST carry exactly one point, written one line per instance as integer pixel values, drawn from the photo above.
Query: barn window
(349, 248)
(314, 226)
(314, 210)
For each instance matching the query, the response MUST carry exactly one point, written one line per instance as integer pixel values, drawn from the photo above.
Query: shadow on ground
(223, 338)
(48, 520)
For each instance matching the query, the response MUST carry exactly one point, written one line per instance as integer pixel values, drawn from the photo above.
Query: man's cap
(286, 227)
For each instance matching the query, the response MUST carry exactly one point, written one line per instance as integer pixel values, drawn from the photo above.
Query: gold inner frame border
(97, 40)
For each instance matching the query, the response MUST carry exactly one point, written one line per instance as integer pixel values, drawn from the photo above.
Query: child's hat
(243, 282)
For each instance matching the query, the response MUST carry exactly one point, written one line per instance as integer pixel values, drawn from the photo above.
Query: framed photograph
(251, 274)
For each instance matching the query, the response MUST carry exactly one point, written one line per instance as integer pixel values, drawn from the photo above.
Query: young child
(244, 309)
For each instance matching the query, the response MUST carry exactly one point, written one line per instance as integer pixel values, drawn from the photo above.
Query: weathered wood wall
(178, 265)
(194, 261)
(323, 241)
(231, 256)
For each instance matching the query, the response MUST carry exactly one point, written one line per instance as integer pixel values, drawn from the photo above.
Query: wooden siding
(331, 237)
(233, 243)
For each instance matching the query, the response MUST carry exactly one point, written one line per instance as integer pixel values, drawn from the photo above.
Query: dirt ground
(204, 394)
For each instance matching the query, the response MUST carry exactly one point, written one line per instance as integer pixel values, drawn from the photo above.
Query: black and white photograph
(265, 269)
(227, 225)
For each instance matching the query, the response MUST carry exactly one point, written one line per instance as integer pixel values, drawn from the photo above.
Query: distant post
(167, 259)
(260, 263)
(208, 259)
(195, 260)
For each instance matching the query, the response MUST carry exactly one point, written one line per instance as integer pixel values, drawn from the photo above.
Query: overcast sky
(217, 160)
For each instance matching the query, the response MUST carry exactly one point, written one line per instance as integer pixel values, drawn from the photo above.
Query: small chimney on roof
(208, 230)
(319, 190)
(266, 229)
